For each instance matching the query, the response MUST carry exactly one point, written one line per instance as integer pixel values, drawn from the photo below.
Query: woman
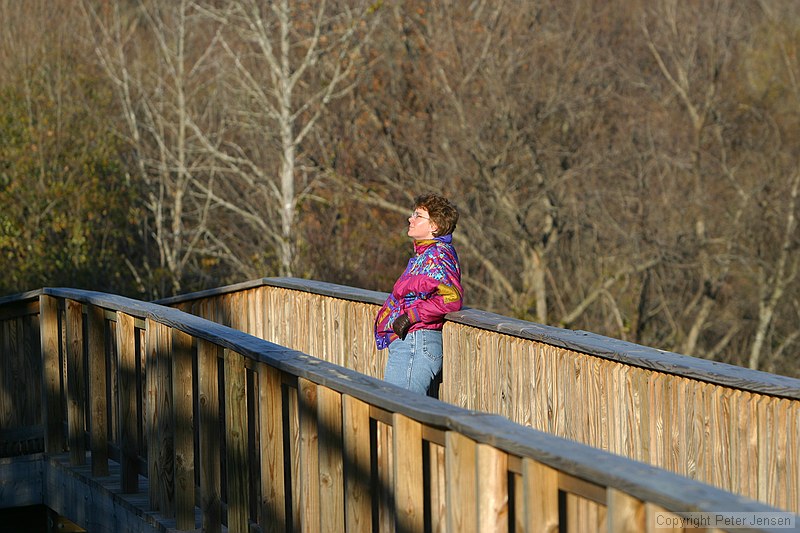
(410, 321)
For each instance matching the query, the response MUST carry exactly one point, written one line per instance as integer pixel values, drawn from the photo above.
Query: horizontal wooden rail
(255, 433)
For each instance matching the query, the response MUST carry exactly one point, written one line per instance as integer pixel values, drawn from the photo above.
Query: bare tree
(156, 74)
(288, 61)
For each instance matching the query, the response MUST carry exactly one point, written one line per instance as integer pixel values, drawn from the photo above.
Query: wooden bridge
(257, 407)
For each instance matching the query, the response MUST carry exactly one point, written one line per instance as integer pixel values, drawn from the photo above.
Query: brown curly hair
(442, 212)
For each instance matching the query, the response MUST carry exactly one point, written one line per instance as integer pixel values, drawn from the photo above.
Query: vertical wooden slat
(98, 408)
(383, 481)
(408, 475)
(493, 482)
(161, 423)
(273, 516)
(626, 514)
(208, 355)
(437, 483)
(75, 384)
(151, 330)
(126, 353)
(51, 385)
(295, 455)
(792, 408)
(462, 485)
(331, 471)
(184, 428)
(540, 495)
(765, 431)
(236, 441)
(309, 455)
(356, 438)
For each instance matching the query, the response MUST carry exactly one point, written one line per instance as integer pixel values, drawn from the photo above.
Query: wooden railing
(728, 426)
(219, 427)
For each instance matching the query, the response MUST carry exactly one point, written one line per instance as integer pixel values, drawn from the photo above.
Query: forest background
(627, 167)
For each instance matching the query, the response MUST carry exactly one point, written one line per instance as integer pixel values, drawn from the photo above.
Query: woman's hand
(401, 325)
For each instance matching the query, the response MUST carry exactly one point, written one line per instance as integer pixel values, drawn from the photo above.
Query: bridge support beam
(95, 504)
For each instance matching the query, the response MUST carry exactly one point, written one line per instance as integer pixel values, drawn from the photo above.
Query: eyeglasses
(416, 215)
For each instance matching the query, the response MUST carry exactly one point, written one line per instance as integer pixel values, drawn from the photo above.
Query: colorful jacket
(429, 288)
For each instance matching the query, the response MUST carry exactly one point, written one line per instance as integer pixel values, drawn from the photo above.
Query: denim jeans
(415, 362)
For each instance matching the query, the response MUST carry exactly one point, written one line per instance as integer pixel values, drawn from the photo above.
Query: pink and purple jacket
(429, 288)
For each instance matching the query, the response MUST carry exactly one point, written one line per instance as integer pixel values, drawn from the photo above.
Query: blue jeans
(415, 362)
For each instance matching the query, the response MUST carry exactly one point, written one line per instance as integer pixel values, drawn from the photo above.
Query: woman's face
(420, 226)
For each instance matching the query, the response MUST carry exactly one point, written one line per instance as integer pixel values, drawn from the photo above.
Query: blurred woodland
(627, 167)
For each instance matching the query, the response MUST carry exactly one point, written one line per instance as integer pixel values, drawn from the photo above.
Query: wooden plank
(540, 497)
(792, 457)
(383, 465)
(98, 407)
(462, 483)
(236, 442)
(160, 419)
(765, 431)
(331, 463)
(126, 369)
(151, 329)
(437, 482)
(76, 386)
(274, 456)
(722, 438)
(183, 408)
(295, 471)
(626, 514)
(208, 356)
(51, 371)
(309, 455)
(356, 443)
(8, 402)
(750, 455)
(492, 465)
(408, 476)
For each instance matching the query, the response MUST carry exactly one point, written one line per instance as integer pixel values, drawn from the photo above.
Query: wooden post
(208, 356)
(408, 475)
(274, 458)
(493, 482)
(462, 485)
(51, 373)
(159, 422)
(356, 437)
(76, 435)
(126, 350)
(184, 429)
(236, 442)
(331, 472)
(540, 497)
(309, 455)
(98, 407)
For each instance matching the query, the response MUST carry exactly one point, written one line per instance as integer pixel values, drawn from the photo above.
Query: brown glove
(401, 325)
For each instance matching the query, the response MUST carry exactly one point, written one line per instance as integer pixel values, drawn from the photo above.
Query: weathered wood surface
(98, 416)
(76, 400)
(572, 340)
(208, 357)
(672, 411)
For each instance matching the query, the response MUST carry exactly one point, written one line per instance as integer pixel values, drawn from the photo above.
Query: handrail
(629, 353)
(329, 419)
